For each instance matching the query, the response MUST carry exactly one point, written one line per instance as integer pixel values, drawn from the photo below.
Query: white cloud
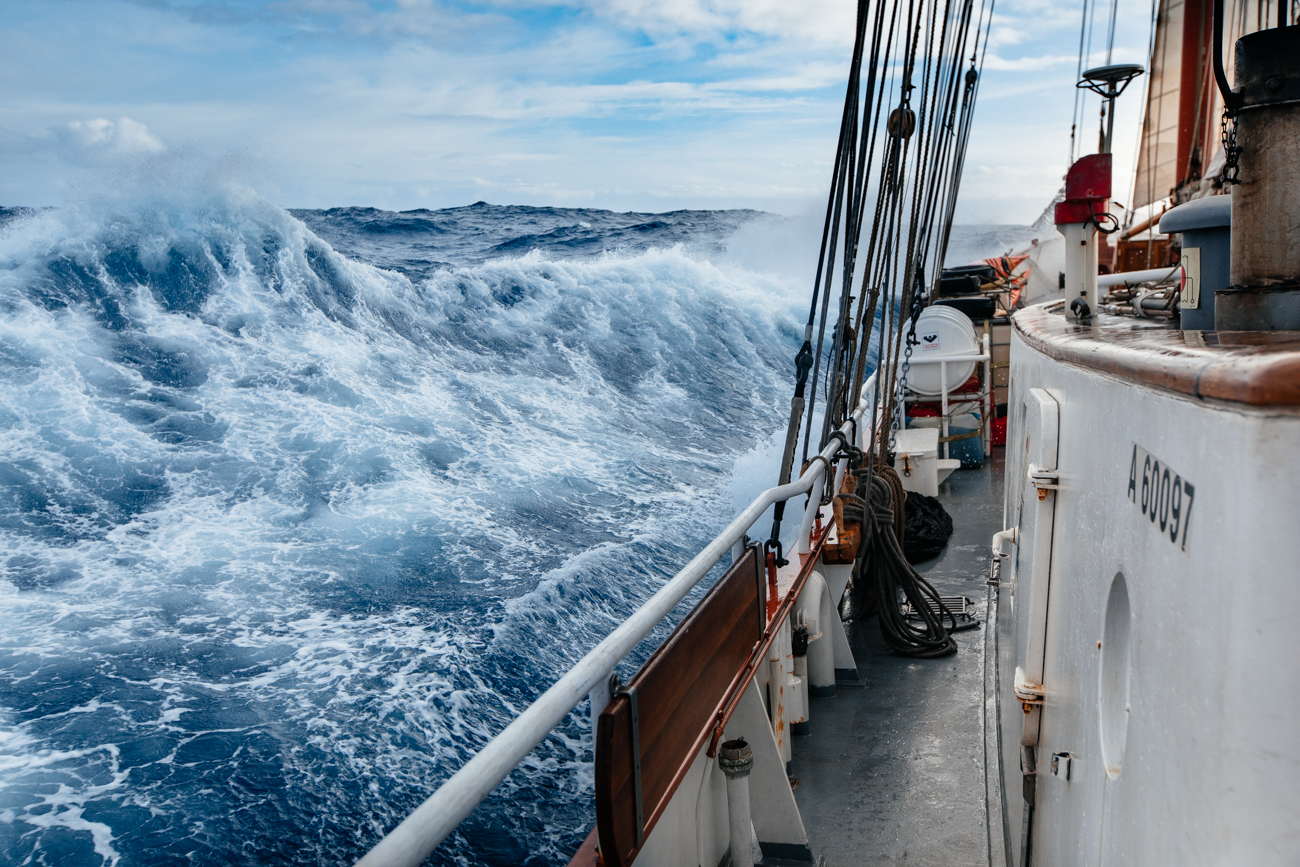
(623, 103)
(1007, 35)
(822, 21)
(126, 137)
(1027, 64)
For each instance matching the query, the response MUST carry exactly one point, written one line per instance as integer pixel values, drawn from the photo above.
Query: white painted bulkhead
(1170, 671)
(694, 829)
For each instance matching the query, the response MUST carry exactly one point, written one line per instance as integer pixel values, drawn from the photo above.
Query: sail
(1180, 132)
(1157, 165)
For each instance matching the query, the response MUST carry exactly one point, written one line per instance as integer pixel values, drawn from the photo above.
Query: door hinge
(1028, 694)
(1044, 481)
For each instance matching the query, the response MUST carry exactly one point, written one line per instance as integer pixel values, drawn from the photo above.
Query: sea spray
(288, 536)
(297, 515)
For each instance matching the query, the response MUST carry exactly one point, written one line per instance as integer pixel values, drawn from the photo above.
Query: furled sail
(1180, 133)
(1158, 152)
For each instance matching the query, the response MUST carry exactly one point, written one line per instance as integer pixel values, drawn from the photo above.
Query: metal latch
(1044, 481)
(1061, 765)
(1028, 694)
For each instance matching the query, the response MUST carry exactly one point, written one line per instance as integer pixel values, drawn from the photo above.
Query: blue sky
(623, 104)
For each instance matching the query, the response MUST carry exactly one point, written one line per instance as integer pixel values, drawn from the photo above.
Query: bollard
(736, 760)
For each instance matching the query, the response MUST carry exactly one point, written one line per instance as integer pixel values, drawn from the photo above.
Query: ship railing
(985, 358)
(429, 824)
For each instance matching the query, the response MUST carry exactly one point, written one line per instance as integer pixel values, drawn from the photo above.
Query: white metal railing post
(419, 833)
(943, 402)
(988, 396)
(601, 695)
(861, 438)
(738, 550)
(803, 544)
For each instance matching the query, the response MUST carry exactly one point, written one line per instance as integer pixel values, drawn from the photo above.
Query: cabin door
(1022, 618)
(1068, 826)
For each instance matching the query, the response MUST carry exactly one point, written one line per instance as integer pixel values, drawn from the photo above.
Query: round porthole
(1113, 685)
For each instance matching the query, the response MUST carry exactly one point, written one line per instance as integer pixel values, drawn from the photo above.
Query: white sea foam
(288, 536)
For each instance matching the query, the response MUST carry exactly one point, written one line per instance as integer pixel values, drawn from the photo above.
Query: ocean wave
(290, 535)
(419, 242)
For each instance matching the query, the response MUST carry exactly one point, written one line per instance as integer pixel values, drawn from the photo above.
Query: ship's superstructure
(1131, 730)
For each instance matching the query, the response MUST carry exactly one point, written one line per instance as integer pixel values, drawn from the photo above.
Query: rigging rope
(1078, 74)
(830, 230)
(899, 157)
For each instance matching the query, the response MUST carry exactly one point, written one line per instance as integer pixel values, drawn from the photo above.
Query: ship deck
(895, 773)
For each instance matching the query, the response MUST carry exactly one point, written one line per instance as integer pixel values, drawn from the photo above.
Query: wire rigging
(1078, 74)
(912, 88)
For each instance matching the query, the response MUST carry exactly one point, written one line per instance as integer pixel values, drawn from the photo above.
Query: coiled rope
(891, 579)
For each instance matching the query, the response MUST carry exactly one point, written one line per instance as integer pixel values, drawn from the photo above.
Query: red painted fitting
(1087, 190)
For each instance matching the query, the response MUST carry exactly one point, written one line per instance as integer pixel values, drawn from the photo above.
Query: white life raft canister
(941, 331)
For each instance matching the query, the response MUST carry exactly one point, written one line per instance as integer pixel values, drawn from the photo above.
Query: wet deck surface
(894, 773)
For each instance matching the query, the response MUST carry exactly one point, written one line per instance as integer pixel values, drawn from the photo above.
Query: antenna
(1109, 82)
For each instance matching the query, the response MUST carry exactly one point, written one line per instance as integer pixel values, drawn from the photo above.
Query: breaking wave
(288, 536)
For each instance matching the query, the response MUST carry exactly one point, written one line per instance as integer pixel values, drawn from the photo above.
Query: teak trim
(743, 577)
(741, 682)
(1259, 369)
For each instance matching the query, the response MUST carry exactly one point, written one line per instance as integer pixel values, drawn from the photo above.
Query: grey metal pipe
(736, 758)
(1151, 275)
(410, 843)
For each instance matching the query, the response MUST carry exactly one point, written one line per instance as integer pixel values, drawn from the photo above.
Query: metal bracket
(1061, 765)
(1028, 694)
(759, 563)
(616, 688)
(1044, 481)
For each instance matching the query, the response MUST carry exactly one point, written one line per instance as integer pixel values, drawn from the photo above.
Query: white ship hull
(1163, 644)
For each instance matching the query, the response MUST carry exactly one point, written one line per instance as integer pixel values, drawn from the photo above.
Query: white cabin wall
(694, 827)
(1211, 771)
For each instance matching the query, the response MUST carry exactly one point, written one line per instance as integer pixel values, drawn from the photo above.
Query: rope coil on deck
(888, 576)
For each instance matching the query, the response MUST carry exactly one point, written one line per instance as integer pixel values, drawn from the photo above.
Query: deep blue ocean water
(299, 508)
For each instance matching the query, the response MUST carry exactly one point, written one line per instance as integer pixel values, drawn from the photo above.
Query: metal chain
(1231, 151)
(901, 390)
